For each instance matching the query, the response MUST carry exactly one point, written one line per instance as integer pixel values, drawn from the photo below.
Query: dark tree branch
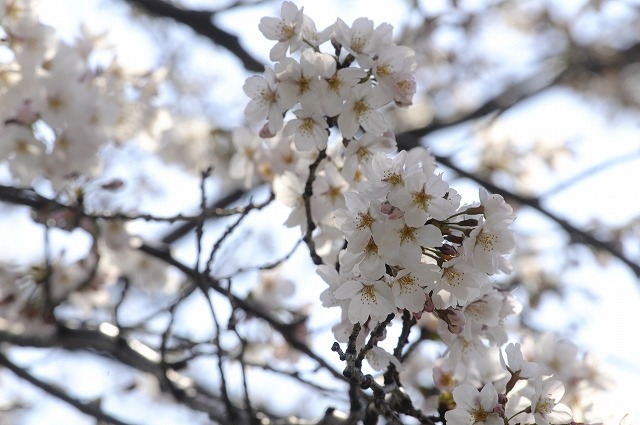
(221, 204)
(306, 196)
(105, 340)
(88, 408)
(201, 22)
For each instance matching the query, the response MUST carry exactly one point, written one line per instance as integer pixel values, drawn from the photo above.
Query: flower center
(479, 415)
(487, 241)
(407, 234)
(421, 199)
(451, 274)
(364, 220)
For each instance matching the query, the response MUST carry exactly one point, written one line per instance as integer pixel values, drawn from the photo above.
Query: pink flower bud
(455, 320)
(26, 114)
(265, 133)
(386, 208)
(428, 304)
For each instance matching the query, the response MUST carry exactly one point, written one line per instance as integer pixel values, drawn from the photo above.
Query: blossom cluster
(61, 104)
(392, 234)
(57, 107)
(393, 238)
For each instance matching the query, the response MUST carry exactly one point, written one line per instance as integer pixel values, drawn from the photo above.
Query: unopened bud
(474, 210)
(114, 184)
(454, 239)
(265, 133)
(428, 304)
(471, 222)
(447, 249)
(502, 398)
(392, 212)
(455, 320)
(26, 114)
(386, 208)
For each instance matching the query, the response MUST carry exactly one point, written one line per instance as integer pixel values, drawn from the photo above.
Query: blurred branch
(200, 21)
(88, 408)
(287, 330)
(598, 168)
(183, 229)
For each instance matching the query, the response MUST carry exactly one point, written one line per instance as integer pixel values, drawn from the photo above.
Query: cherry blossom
(473, 407)
(516, 363)
(403, 243)
(545, 404)
(361, 110)
(358, 220)
(266, 100)
(309, 130)
(368, 298)
(424, 198)
(408, 286)
(362, 40)
(285, 30)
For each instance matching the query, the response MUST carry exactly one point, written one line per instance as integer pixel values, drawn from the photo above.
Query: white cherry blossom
(368, 298)
(408, 286)
(361, 110)
(496, 210)
(488, 244)
(369, 261)
(379, 359)
(285, 30)
(359, 152)
(266, 101)
(385, 175)
(459, 282)
(545, 403)
(362, 40)
(516, 363)
(288, 189)
(358, 220)
(298, 81)
(403, 243)
(473, 407)
(308, 129)
(423, 199)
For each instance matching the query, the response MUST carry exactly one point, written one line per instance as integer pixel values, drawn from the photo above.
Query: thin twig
(306, 196)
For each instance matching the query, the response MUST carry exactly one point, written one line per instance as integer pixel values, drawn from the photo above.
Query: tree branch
(88, 408)
(200, 21)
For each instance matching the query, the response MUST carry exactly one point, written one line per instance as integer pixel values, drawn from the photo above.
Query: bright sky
(610, 322)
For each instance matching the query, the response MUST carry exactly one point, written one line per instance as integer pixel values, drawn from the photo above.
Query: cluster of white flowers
(394, 238)
(393, 235)
(57, 108)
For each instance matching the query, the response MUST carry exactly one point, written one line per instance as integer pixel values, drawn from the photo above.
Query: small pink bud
(386, 208)
(396, 214)
(26, 114)
(455, 321)
(428, 305)
(265, 133)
